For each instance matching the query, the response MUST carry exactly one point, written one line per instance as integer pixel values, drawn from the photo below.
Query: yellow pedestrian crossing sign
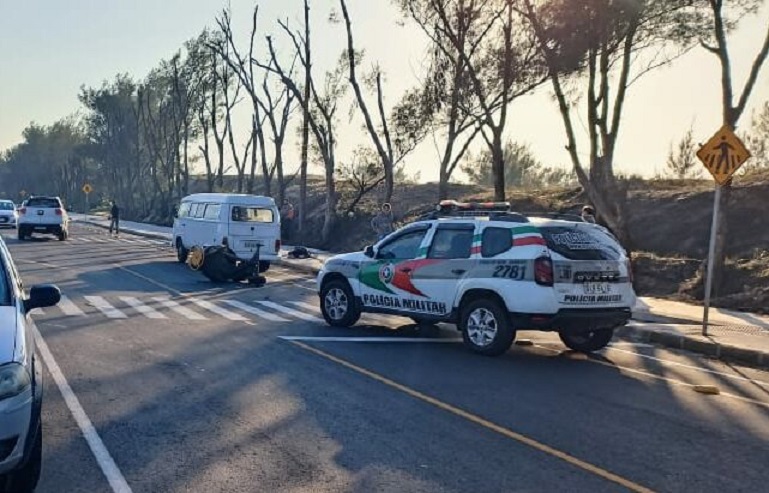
(723, 154)
(87, 189)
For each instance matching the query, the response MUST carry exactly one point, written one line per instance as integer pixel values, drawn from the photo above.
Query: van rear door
(590, 269)
(253, 225)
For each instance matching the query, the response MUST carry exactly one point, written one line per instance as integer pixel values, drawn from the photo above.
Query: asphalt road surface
(158, 380)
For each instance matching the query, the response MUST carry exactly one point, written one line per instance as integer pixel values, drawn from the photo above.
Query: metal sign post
(87, 189)
(711, 255)
(722, 155)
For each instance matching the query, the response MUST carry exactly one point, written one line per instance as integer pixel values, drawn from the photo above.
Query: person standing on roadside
(287, 215)
(382, 223)
(114, 218)
(588, 214)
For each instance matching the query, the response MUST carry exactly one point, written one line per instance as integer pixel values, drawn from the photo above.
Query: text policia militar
(383, 301)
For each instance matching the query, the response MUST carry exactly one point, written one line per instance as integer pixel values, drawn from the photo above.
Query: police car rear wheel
(337, 303)
(587, 342)
(486, 328)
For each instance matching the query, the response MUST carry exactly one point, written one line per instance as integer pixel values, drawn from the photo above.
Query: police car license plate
(596, 287)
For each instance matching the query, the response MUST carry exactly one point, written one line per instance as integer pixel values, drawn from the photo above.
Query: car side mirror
(369, 251)
(42, 296)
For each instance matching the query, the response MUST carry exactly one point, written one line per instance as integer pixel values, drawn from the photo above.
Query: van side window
(252, 214)
(496, 241)
(193, 210)
(184, 209)
(212, 211)
(200, 211)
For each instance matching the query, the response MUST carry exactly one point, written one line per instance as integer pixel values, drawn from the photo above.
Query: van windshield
(246, 214)
(581, 243)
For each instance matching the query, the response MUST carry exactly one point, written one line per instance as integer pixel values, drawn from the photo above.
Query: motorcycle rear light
(543, 271)
(277, 246)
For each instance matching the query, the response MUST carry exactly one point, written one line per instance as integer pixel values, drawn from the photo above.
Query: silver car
(9, 216)
(21, 386)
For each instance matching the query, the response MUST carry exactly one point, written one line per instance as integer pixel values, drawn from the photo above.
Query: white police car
(21, 385)
(491, 271)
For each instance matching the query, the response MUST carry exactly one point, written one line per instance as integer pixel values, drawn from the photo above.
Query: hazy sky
(50, 48)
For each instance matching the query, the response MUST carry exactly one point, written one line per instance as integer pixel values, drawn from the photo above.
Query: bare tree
(603, 45)
(307, 64)
(721, 20)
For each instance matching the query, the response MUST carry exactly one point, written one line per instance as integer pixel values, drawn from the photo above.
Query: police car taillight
(543, 271)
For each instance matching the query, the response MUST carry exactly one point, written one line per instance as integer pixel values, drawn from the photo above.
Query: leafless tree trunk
(305, 122)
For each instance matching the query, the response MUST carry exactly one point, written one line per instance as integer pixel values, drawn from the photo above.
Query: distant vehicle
(43, 215)
(8, 215)
(241, 223)
(21, 384)
(492, 272)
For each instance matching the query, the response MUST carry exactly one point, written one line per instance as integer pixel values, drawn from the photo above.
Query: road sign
(723, 154)
(87, 188)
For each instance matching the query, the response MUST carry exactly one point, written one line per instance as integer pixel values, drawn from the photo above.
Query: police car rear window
(576, 243)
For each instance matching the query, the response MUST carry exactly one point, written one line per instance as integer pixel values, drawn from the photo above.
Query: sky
(52, 48)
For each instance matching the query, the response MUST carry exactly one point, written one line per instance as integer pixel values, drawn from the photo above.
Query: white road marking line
(207, 305)
(140, 307)
(95, 443)
(255, 311)
(658, 377)
(308, 306)
(691, 367)
(37, 311)
(368, 339)
(180, 309)
(290, 311)
(84, 240)
(103, 306)
(69, 308)
(100, 240)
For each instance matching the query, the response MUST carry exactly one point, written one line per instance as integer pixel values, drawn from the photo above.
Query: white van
(242, 222)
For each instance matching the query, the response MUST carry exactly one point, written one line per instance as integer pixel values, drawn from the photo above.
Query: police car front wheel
(338, 305)
(486, 328)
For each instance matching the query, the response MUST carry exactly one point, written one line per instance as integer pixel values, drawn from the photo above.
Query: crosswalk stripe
(100, 240)
(290, 311)
(373, 317)
(207, 305)
(180, 309)
(103, 306)
(140, 307)
(69, 308)
(84, 240)
(37, 311)
(255, 311)
(307, 306)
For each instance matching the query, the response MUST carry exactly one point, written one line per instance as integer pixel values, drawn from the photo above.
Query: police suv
(492, 272)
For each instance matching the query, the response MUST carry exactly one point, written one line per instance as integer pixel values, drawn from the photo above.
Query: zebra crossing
(192, 309)
(131, 240)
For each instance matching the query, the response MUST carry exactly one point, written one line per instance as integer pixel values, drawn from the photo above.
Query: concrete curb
(696, 344)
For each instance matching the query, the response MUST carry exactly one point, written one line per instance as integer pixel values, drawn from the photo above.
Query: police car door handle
(459, 272)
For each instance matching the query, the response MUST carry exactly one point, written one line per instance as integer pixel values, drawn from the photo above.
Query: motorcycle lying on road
(220, 264)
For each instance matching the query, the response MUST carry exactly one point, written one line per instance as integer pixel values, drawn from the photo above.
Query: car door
(449, 261)
(385, 281)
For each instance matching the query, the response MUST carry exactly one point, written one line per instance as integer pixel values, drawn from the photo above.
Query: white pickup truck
(43, 215)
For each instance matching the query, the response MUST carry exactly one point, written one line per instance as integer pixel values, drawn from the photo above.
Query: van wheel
(486, 328)
(181, 252)
(338, 305)
(587, 342)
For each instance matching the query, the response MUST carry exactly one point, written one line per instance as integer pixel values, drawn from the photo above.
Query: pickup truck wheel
(486, 328)
(338, 305)
(181, 252)
(587, 342)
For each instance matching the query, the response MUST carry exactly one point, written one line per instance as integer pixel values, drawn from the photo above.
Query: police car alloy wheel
(587, 342)
(485, 328)
(337, 303)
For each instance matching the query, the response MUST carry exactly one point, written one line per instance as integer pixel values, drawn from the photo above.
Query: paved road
(192, 386)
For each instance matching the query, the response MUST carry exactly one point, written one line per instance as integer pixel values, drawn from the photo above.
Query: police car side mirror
(369, 251)
(42, 296)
